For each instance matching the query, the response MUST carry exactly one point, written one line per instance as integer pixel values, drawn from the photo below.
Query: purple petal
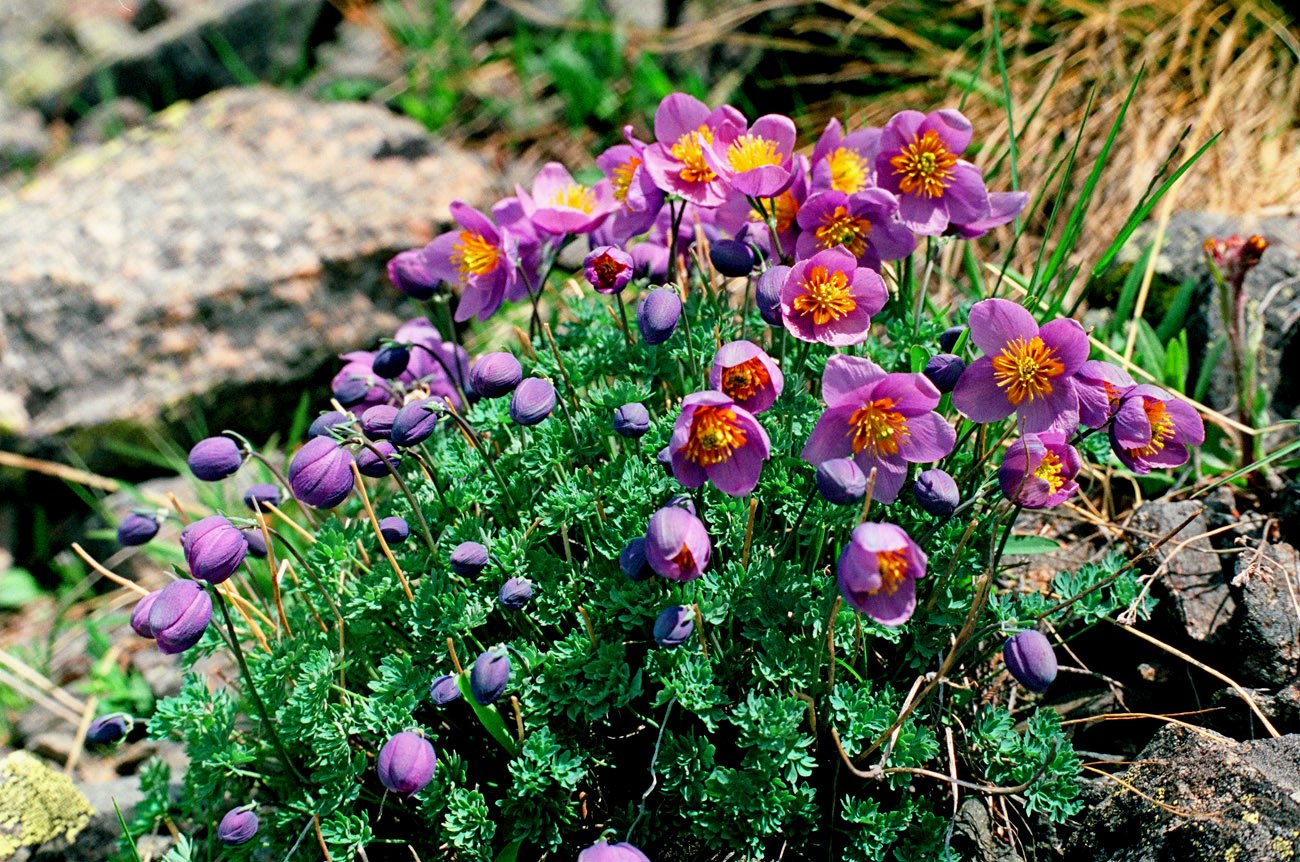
(925, 216)
(1069, 340)
(846, 374)
(932, 438)
(952, 126)
(678, 114)
(994, 322)
(966, 198)
(1059, 407)
(891, 609)
(978, 396)
(891, 473)
(831, 437)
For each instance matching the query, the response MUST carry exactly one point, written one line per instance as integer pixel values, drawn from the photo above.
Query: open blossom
(717, 440)
(558, 204)
(1153, 429)
(639, 199)
(882, 421)
(1100, 386)
(830, 299)
(864, 223)
(1026, 370)
(684, 128)
(477, 257)
(608, 269)
(920, 161)
(845, 163)
(755, 161)
(1038, 470)
(877, 572)
(744, 372)
(1003, 208)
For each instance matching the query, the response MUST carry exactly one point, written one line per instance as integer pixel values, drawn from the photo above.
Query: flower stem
(406, 491)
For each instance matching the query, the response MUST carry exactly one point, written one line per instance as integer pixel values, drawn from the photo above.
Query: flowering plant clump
(711, 579)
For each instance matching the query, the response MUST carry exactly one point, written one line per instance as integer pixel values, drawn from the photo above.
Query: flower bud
(682, 501)
(674, 626)
(179, 616)
(406, 763)
(390, 362)
(136, 529)
(608, 269)
(410, 273)
(108, 729)
(533, 401)
(445, 690)
(377, 421)
(351, 390)
(665, 458)
(515, 593)
(238, 826)
(658, 314)
(632, 560)
(322, 424)
(767, 293)
(936, 492)
(468, 559)
(213, 548)
(395, 530)
(603, 851)
(372, 464)
(321, 473)
(943, 370)
(948, 338)
(414, 423)
(140, 614)
(676, 544)
(256, 542)
(495, 374)
(841, 481)
(731, 258)
(490, 676)
(214, 458)
(631, 420)
(1030, 659)
(261, 495)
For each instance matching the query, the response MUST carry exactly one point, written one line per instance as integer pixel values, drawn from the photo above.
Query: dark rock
(1203, 797)
(1268, 627)
(973, 835)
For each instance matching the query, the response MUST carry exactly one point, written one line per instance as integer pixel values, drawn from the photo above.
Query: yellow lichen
(37, 804)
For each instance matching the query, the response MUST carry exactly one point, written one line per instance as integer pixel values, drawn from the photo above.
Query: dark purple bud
(377, 422)
(214, 458)
(674, 626)
(632, 560)
(948, 338)
(533, 401)
(414, 423)
(410, 274)
(395, 530)
(390, 362)
(406, 763)
(495, 375)
(351, 390)
(665, 458)
(632, 420)
(658, 314)
(468, 559)
(841, 481)
(238, 826)
(515, 593)
(321, 425)
(682, 501)
(603, 851)
(943, 370)
(256, 542)
(445, 689)
(1030, 659)
(936, 492)
(375, 466)
(732, 258)
(261, 495)
(108, 729)
(608, 269)
(140, 614)
(179, 616)
(490, 676)
(136, 529)
(767, 293)
(321, 473)
(213, 548)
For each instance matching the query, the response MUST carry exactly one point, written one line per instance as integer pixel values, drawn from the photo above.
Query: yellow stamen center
(689, 150)
(1162, 428)
(1049, 470)
(574, 196)
(849, 171)
(744, 381)
(1026, 368)
(748, 152)
(878, 429)
(826, 296)
(471, 254)
(924, 166)
(892, 566)
(715, 435)
(622, 178)
(840, 228)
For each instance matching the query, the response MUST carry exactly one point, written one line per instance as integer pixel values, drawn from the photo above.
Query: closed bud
(256, 542)
(943, 370)
(140, 614)
(238, 826)
(321, 473)
(767, 293)
(351, 390)
(136, 529)
(406, 763)
(258, 496)
(414, 423)
(395, 530)
(603, 851)
(632, 560)
(631, 420)
(936, 492)
(179, 616)
(674, 626)
(445, 689)
(410, 273)
(658, 314)
(324, 423)
(214, 458)
(1029, 657)
(682, 501)
(841, 481)
(732, 258)
(608, 269)
(515, 593)
(533, 401)
(665, 458)
(377, 421)
(468, 559)
(108, 729)
(390, 362)
(948, 338)
(495, 375)
(213, 548)
(376, 462)
(490, 676)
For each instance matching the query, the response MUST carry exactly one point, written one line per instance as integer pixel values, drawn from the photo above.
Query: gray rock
(24, 140)
(973, 835)
(1267, 589)
(361, 58)
(99, 839)
(109, 119)
(1203, 797)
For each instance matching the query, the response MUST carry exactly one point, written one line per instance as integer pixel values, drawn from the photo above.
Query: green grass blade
(1034, 280)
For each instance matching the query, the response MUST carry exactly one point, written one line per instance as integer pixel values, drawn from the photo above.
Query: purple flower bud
(936, 492)
(261, 495)
(515, 593)
(632, 560)
(321, 473)
(490, 676)
(406, 763)
(603, 851)
(608, 269)
(213, 548)
(414, 423)
(373, 465)
(179, 616)
(665, 458)
(674, 626)
(948, 338)
(214, 458)
(238, 826)
(767, 293)
(444, 690)
(632, 420)
(377, 421)
(468, 559)
(351, 390)
(732, 258)
(943, 370)
(390, 362)
(140, 614)
(676, 544)
(395, 530)
(658, 314)
(841, 481)
(682, 501)
(256, 542)
(411, 275)
(136, 529)
(322, 424)
(495, 374)
(108, 729)
(1029, 657)
(533, 401)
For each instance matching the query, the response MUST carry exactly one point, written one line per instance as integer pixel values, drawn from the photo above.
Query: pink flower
(864, 223)
(920, 161)
(744, 372)
(717, 440)
(684, 128)
(738, 216)
(1100, 386)
(559, 205)
(1153, 429)
(877, 572)
(845, 163)
(1038, 470)
(830, 299)
(755, 162)
(478, 258)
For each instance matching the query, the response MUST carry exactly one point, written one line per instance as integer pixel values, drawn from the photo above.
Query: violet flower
(320, 474)
(1030, 659)
(560, 205)
(865, 224)
(109, 729)
(140, 614)
(603, 851)
(1003, 208)
(936, 492)
(841, 481)
(238, 826)
(257, 496)
(739, 216)
(468, 559)
(256, 542)
(406, 763)
(377, 422)
(754, 161)
(410, 273)
(478, 258)
(1100, 386)
(828, 298)
(515, 594)
(745, 373)
(489, 676)
(608, 269)
(179, 616)
(944, 370)
(877, 572)
(674, 626)
(533, 401)
(631, 420)
(1038, 470)
(639, 199)
(214, 458)
(391, 361)
(657, 315)
(444, 690)
(214, 548)
(357, 375)
(414, 422)
(632, 560)
(767, 293)
(676, 544)
(394, 529)
(717, 440)
(1153, 429)
(684, 129)
(323, 424)
(136, 529)
(495, 374)
(920, 162)
(732, 258)
(845, 163)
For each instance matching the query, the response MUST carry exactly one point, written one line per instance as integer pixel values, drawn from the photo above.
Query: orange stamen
(715, 435)
(878, 428)
(925, 166)
(1026, 368)
(826, 296)
(744, 381)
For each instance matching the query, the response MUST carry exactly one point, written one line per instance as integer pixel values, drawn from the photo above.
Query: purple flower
(674, 626)
(608, 269)
(845, 163)
(739, 216)
(179, 616)
(377, 422)
(682, 501)
(533, 401)
(140, 614)
(882, 421)
(1154, 429)
(495, 374)
(438, 366)
(406, 763)
(560, 205)
(677, 545)
(767, 293)
(477, 257)
(1031, 660)
(920, 161)
(841, 481)
(321, 473)
(259, 495)
(864, 223)
(747, 375)
(1026, 370)
(664, 457)
(410, 273)
(238, 826)
(468, 559)
(324, 423)
(658, 314)
(1003, 208)
(377, 466)
(684, 129)
(394, 530)
(351, 391)
(256, 542)
(936, 492)
(108, 729)
(631, 420)
(944, 370)
(414, 422)
(877, 572)
(355, 385)
(732, 258)
(639, 199)
(632, 560)
(214, 458)
(136, 529)
(1038, 470)
(717, 440)
(603, 851)
(515, 593)
(213, 548)
(828, 298)
(1100, 386)
(490, 676)
(445, 690)
(754, 161)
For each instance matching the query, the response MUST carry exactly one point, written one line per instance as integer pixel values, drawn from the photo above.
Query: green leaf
(17, 588)
(488, 717)
(1025, 546)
